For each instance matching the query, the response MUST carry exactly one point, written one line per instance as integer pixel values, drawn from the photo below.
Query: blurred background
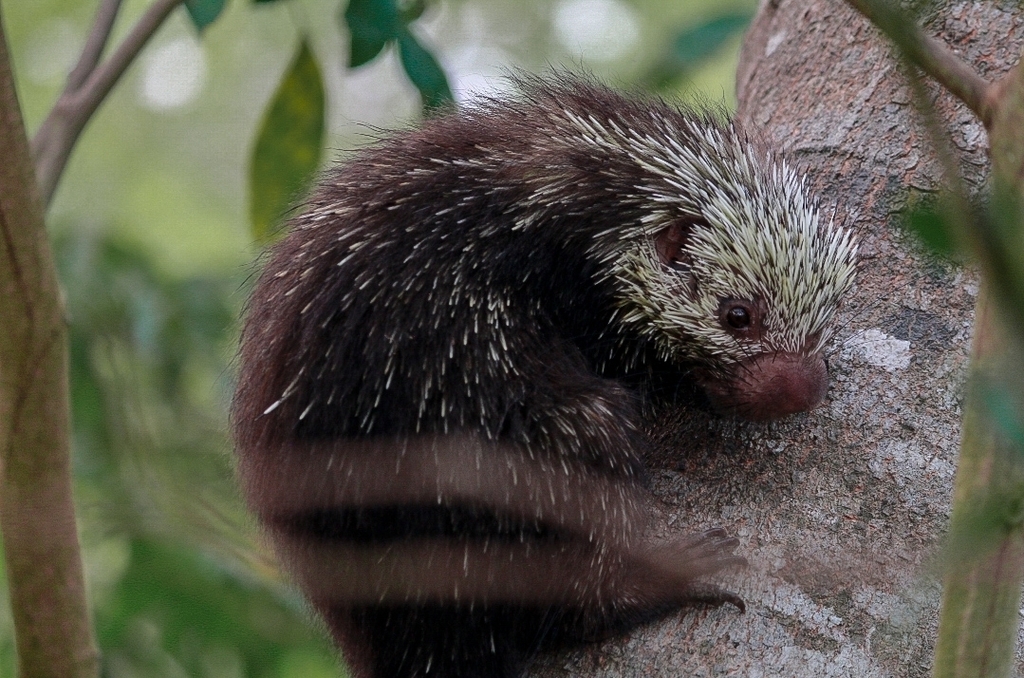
(151, 227)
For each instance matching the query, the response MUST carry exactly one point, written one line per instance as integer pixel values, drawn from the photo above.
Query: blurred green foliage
(177, 611)
(149, 387)
(153, 242)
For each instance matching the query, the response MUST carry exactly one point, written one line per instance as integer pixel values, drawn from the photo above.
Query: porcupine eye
(738, 316)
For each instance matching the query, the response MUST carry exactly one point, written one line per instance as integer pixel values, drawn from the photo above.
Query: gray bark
(841, 512)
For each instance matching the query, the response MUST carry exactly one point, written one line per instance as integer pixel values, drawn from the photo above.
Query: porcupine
(437, 416)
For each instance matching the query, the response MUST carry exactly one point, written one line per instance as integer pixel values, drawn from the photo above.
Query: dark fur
(401, 350)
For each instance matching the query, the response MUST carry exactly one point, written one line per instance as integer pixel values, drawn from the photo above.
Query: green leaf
(288, 145)
(1004, 412)
(698, 43)
(979, 528)
(412, 10)
(424, 72)
(694, 45)
(204, 12)
(371, 24)
(927, 221)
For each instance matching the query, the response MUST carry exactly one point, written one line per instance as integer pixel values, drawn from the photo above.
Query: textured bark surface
(841, 511)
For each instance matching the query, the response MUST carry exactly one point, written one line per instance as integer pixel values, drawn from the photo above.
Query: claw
(715, 596)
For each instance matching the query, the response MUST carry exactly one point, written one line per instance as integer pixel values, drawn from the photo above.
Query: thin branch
(957, 206)
(106, 76)
(94, 45)
(930, 54)
(52, 144)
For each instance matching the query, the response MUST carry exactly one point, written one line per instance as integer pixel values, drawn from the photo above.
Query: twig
(52, 144)
(931, 55)
(95, 44)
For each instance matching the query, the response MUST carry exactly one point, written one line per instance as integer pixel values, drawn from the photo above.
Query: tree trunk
(841, 512)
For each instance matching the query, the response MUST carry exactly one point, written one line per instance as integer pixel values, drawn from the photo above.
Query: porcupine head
(739, 274)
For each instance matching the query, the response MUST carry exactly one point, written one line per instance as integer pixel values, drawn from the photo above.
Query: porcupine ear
(670, 245)
(670, 241)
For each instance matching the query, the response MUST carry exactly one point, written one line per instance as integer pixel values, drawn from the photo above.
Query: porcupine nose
(771, 386)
